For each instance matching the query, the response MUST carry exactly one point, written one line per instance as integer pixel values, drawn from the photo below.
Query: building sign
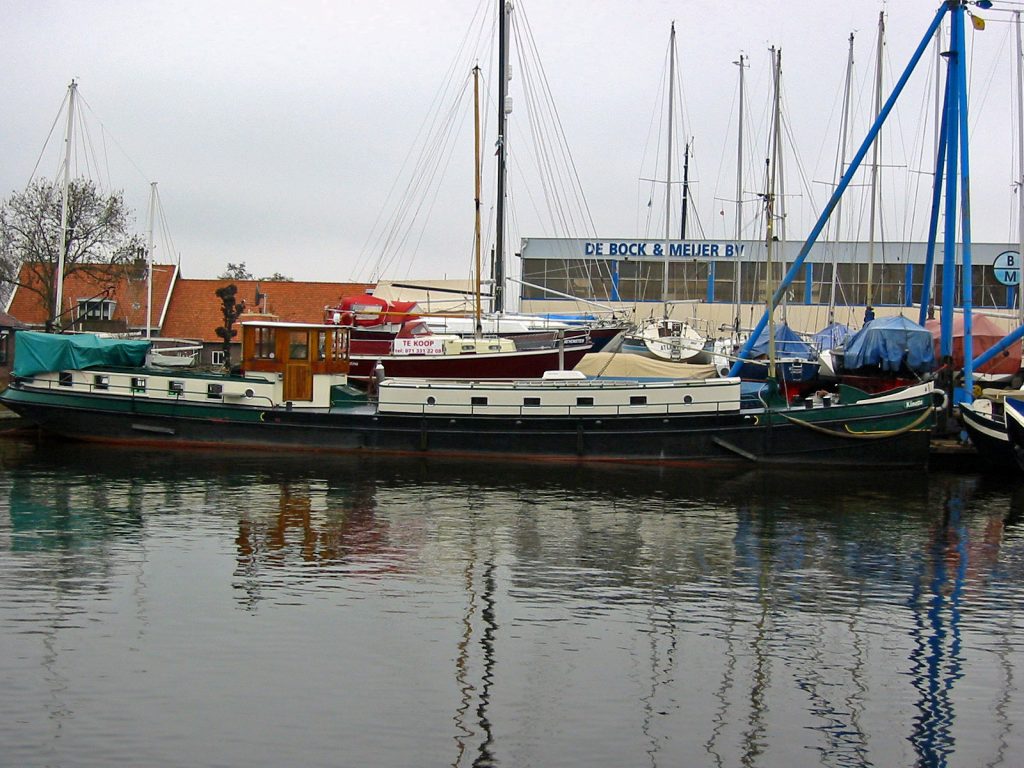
(1007, 268)
(634, 249)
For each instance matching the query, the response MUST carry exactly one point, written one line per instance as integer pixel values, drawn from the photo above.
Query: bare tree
(98, 234)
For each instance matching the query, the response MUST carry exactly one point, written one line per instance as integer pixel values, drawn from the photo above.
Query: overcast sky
(286, 134)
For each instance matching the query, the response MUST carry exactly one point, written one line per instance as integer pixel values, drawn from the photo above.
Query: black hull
(990, 438)
(737, 438)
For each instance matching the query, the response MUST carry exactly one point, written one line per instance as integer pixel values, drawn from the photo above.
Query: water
(169, 609)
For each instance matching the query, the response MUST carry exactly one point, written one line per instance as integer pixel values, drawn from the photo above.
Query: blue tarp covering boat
(831, 336)
(892, 344)
(788, 343)
(36, 352)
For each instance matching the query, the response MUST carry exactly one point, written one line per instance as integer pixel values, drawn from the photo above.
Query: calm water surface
(173, 609)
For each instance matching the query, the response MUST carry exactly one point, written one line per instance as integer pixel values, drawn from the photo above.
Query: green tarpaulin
(36, 352)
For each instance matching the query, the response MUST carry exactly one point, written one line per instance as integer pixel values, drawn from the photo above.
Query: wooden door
(298, 374)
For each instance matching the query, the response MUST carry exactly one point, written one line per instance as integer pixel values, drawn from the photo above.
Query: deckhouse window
(584, 401)
(638, 400)
(478, 401)
(176, 388)
(101, 381)
(95, 309)
(138, 383)
(531, 402)
(64, 378)
(214, 391)
(265, 343)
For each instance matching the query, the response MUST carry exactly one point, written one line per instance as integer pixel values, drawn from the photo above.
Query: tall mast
(476, 192)
(737, 276)
(68, 148)
(929, 299)
(1020, 167)
(149, 263)
(874, 166)
(685, 204)
(773, 157)
(668, 162)
(504, 9)
(843, 134)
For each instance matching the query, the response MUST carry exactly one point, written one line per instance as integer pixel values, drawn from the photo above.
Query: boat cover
(832, 335)
(891, 343)
(788, 343)
(36, 352)
(624, 364)
(985, 334)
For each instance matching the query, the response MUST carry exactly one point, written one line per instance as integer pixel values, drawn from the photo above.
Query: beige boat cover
(630, 365)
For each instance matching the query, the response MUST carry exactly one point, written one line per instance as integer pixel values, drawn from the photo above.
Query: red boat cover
(985, 334)
(367, 310)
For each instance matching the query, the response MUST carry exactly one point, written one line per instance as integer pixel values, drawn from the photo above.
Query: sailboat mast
(737, 276)
(149, 263)
(843, 135)
(68, 148)
(1020, 167)
(668, 162)
(874, 167)
(773, 156)
(504, 9)
(476, 194)
(685, 204)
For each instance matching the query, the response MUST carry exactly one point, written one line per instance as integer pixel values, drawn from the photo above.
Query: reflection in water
(936, 661)
(753, 616)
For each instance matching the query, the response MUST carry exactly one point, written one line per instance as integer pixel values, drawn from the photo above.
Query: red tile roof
(194, 311)
(128, 286)
(183, 309)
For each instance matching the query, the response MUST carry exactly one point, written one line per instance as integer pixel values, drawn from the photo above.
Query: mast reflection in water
(169, 609)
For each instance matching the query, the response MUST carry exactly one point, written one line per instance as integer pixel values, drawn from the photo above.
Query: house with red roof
(113, 299)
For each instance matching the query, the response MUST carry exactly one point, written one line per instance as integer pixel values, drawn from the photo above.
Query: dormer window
(96, 309)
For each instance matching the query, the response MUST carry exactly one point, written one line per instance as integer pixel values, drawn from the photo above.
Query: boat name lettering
(687, 250)
(914, 404)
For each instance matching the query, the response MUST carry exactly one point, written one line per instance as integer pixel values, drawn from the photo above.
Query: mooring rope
(861, 435)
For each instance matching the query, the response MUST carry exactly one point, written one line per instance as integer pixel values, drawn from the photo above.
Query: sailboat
(396, 340)
(992, 422)
(668, 338)
(777, 352)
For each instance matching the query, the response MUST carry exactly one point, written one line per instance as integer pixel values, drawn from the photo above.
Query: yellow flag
(978, 22)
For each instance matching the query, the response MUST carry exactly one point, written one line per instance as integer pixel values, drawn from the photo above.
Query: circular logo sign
(1007, 268)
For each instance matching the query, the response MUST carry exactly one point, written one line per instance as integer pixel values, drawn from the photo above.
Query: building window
(5, 340)
(95, 309)
(217, 357)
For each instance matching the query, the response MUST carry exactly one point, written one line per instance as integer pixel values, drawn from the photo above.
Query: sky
(333, 139)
